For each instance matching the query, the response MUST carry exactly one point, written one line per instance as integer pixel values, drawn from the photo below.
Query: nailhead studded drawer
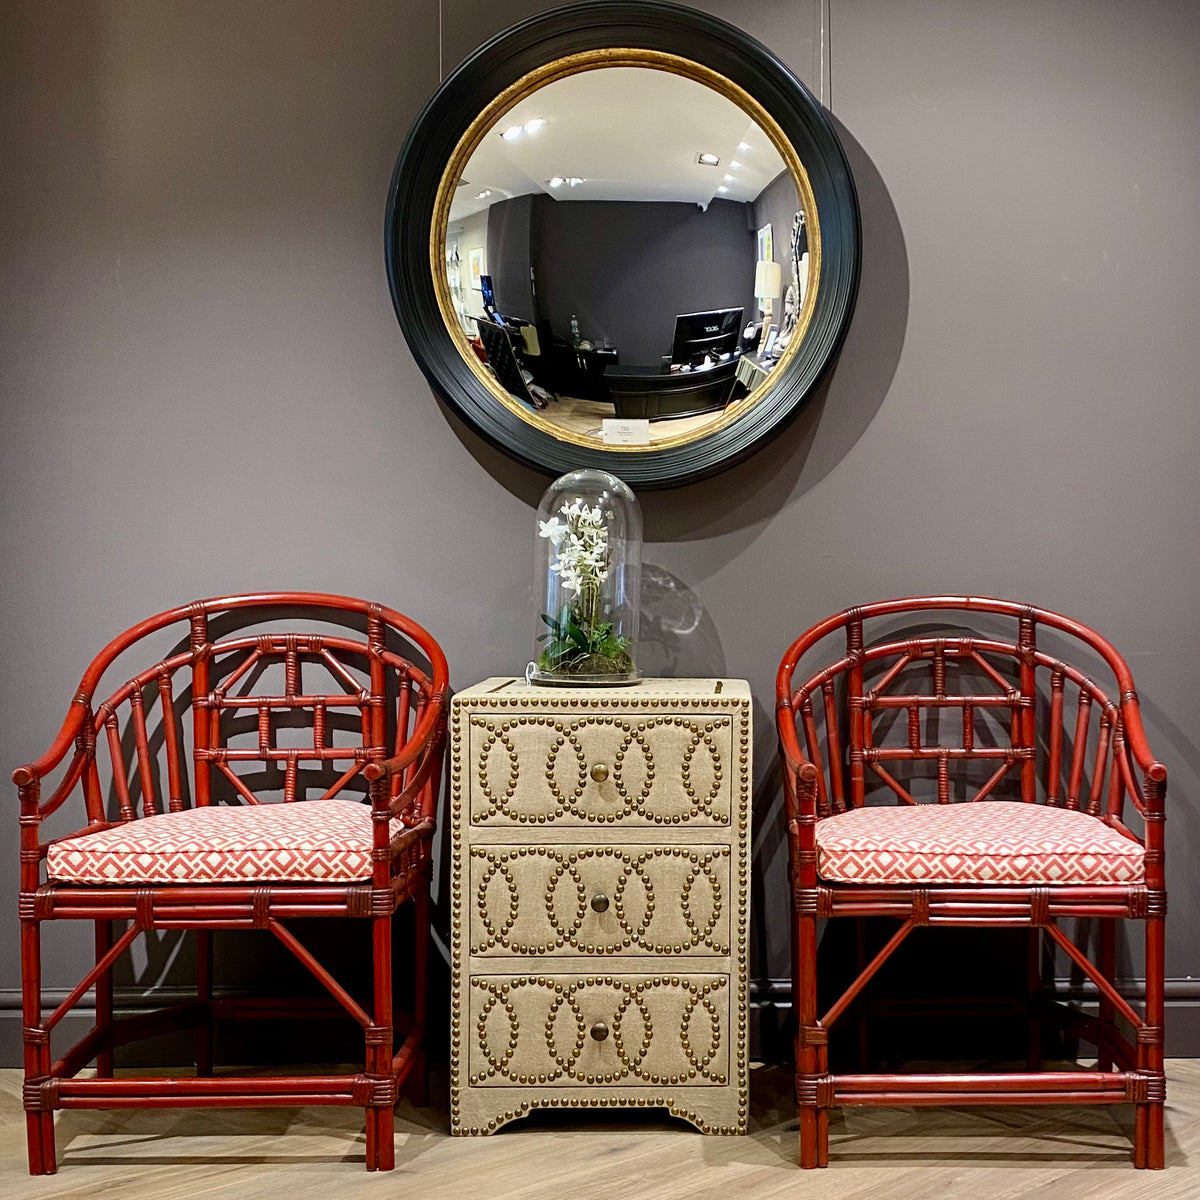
(638, 1030)
(557, 769)
(599, 886)
(599, 900)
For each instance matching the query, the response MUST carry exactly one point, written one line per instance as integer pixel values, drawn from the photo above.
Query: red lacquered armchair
(1045, 804)
(289, 768)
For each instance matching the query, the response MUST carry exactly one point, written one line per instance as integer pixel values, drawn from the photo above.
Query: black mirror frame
(646, 25)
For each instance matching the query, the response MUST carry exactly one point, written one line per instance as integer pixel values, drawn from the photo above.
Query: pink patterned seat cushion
(993, 841)
(313, 841)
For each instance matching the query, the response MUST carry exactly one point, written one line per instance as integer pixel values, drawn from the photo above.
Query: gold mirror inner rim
(594, 60)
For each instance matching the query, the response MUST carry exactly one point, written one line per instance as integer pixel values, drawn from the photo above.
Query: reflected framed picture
(770, 332)
(475, 267)
(765, 246)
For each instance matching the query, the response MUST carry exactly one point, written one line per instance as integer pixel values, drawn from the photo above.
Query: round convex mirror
(629, 242)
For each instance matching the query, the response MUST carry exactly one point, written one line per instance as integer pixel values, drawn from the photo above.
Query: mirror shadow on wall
(838, 413)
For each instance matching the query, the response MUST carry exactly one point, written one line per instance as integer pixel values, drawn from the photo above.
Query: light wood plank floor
(584, 416)
(877, 1154)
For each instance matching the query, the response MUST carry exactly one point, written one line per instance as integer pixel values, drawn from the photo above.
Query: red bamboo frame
(400, 755)
(1101, 775)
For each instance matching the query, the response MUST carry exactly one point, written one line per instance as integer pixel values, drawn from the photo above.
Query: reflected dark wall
(508, 256)
(627, 269)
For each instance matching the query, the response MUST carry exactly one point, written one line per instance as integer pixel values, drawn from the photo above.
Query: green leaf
(575, 632)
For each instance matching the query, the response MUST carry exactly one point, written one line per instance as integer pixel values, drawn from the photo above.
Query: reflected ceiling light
(708, 160)
(484, 194)
(733, 166)
(722, 188)
(743, 145)
(515, 131)
(728, 179)
(574, 181)
(556, 181)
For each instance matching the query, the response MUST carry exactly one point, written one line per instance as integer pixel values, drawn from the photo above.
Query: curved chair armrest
(800, 773)
(426, 748)
(76, 720)
(429, 732)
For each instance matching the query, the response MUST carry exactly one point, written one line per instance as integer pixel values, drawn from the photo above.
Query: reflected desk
(654, 393)
(753, 369)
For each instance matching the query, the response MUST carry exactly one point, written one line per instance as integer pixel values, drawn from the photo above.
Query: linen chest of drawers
(600, 891)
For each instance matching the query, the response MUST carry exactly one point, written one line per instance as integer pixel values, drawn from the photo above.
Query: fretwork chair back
(1044, 804)
(217, 789)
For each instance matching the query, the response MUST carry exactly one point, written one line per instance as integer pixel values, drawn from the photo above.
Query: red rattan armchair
(217, 788)
(1045, 804)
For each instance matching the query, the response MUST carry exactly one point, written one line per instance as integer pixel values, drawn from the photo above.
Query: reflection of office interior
(653, 330)
(622, 255)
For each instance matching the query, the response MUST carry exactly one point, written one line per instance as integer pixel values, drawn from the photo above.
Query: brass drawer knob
(599, 772)
(599, 1031)
(600, 902)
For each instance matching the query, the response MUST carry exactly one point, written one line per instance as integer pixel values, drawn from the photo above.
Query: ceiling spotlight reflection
(515, 131)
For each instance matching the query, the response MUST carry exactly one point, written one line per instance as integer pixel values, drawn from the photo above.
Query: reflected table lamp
(768, 279)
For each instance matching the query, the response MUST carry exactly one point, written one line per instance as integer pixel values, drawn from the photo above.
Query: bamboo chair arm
(77, 718)
(415, 834)
(429, 734)
(800, 773)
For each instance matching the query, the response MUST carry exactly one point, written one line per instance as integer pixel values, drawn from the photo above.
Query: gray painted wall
(204, 388)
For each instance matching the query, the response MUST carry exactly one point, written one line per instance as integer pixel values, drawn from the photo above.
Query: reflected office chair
(1041, 804)
(502, 358)
(282, 761)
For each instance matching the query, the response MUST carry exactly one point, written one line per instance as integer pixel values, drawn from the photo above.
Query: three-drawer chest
(600, 893)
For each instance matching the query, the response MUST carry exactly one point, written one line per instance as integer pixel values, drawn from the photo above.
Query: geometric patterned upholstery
(992, 841)
(306, 841)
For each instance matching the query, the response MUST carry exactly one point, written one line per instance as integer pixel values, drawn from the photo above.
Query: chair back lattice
(299, 706)
(865, 719)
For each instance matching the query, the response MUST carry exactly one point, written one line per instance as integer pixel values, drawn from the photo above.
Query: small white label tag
(625, 432)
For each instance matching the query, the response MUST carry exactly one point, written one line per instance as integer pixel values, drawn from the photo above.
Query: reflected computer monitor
(489, 293)
(713, 333)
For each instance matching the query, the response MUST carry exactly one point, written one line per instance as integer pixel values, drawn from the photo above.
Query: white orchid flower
(553, 529)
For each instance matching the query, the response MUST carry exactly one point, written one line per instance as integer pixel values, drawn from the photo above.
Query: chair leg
(1148, 1146)
(39, 1123)
(204, 984)
(811, 1058)
(104, 998)
(381, 1119)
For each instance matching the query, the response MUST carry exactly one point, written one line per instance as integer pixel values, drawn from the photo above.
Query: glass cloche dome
(587, 578)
